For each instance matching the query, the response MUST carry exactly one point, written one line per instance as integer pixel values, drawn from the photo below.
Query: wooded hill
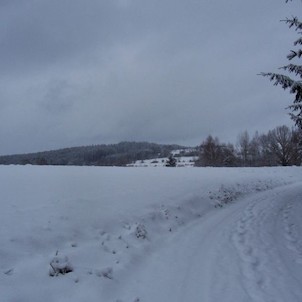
(97, 155)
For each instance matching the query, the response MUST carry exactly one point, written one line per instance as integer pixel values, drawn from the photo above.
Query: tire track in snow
(261, 237)
(252, 260)
(291, 234)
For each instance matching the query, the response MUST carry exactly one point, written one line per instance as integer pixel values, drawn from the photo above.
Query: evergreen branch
(296, 89)
(299, 41)
(297, 69)
(294, 54)
(295, 107)
(280, 79)
(297, 118)
(293, 22)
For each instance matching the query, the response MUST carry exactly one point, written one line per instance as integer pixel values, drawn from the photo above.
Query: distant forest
(119, 154)
(281, 146)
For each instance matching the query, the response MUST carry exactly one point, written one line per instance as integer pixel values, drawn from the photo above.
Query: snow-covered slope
(157, 234)
(181, 161)
(250, 251)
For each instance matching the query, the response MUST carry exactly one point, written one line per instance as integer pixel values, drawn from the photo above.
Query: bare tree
(210, 152)
(282, 145)
(243, 143)
(255, 150)
(214, 154)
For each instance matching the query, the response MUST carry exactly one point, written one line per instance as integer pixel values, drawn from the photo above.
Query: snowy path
(248, 251)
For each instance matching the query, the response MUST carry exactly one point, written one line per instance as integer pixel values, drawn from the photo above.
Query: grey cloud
(167, 71)
(59, 97)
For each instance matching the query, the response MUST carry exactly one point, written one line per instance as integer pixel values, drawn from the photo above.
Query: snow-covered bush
(224, 195)
(60, 265)
(141, 232)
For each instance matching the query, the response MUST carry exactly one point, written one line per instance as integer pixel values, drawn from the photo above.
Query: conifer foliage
(171, 162)
(292, 81)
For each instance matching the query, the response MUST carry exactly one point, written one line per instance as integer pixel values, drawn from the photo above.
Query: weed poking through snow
(59, 265)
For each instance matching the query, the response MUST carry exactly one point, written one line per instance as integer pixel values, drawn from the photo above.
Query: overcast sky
(84, 72)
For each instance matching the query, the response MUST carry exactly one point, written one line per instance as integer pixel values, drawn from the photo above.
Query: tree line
(119, 154)
(279, 147)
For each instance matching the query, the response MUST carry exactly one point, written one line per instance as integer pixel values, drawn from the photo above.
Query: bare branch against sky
(87, 72)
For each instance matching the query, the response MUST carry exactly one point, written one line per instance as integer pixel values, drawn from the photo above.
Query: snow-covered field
(182, 161)
(150, 234)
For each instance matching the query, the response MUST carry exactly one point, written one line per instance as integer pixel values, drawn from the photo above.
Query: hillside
(119, 154)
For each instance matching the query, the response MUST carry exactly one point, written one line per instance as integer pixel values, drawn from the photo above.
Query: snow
(150, 234)
(181, 161)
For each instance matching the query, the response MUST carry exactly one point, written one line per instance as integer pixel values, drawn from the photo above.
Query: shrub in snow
(141, 232)
(171, 162)
(224, 196)
(60, 265)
